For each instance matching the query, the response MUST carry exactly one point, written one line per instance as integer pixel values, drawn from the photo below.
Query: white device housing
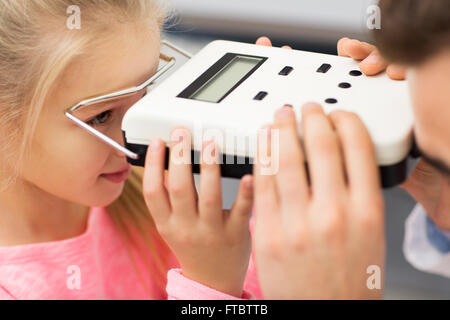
(382, 104)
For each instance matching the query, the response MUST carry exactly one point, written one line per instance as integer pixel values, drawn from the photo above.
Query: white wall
(323, 20)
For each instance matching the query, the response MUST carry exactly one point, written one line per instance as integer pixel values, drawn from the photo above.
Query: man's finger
(396, 72)
(323, 153)
(265, 188)
(264, 41)
(373, 64)
(341, 47)
(291, 176)
(359, 154)
(357, 50)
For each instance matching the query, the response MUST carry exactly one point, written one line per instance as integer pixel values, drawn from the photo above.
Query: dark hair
(413, 30)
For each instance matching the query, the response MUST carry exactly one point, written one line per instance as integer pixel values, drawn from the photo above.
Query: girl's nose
(118, 137)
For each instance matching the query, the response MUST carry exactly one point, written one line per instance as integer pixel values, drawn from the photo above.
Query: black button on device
(286, 71)
(260, 96)
(355, 73)
(324, 68)
(345, 85)
(331, 101)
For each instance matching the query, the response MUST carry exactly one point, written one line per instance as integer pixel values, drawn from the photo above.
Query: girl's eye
(100, 119)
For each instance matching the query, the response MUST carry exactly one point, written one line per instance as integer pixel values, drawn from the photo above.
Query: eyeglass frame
(171, 61)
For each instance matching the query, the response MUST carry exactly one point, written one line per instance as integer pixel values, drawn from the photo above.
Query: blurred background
(313, 25)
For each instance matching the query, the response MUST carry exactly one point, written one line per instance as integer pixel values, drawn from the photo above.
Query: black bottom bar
(236, 167)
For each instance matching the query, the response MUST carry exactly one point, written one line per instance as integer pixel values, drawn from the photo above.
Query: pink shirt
(101, 263)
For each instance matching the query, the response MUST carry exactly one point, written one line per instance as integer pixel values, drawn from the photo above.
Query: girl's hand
(212, 245)
(319, 241)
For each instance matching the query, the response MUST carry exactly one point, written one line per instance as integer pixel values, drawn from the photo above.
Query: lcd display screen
(222, 78)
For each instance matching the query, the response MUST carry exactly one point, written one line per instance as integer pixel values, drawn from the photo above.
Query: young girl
(71, 227)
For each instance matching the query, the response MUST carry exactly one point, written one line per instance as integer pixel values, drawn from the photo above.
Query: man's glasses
(98, 114)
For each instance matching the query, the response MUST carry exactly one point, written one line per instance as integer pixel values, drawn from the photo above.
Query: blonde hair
(33, 55)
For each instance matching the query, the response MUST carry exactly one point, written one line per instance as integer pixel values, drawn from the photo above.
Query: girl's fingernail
(249, 184)
(178, 135)
(155, 146)
(209, 151)
(210, 145)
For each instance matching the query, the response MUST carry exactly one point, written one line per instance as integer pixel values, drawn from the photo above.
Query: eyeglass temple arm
(103, 137)
(177, 49)
(106, 139)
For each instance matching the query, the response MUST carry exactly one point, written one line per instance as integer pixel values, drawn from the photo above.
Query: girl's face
(67, 161)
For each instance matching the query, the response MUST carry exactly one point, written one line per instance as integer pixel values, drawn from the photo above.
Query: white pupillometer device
(233, 89)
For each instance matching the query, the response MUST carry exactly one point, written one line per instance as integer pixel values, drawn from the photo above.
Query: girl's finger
(396, 72)
(242, 206)
(264, 41)
(373, 64)
(359, 155)
(287, 47)
(291, 177)
(155, 193)
(181, 180)
(323, 154)
(210, 197)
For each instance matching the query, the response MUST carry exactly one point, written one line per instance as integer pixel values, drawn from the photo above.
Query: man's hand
(432, 190)
(264, 41)
(426, 185)
(371, 61)
(317, 241)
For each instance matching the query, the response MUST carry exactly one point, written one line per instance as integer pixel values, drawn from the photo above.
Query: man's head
(416, 33)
